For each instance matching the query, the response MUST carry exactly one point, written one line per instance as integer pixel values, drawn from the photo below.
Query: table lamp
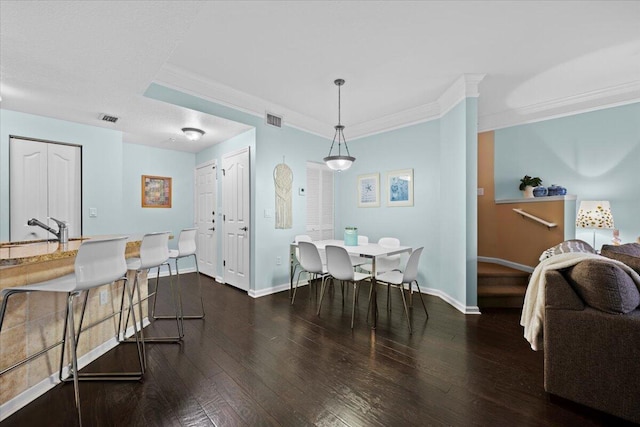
(595, 215)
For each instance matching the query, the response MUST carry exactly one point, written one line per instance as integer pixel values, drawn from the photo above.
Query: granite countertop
(35, 251)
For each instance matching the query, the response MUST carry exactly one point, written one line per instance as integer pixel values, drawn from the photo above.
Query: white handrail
(535, 218)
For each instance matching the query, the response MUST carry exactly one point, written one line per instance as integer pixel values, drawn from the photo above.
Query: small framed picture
(369, 190)
(400, 188)
(156, 191)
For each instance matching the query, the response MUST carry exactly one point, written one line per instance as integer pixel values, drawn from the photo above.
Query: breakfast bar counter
(34, 321)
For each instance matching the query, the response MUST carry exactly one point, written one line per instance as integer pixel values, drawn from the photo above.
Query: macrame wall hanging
(283, 178)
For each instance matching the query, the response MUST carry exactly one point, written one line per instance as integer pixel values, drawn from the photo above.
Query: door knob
(212, 229)
(244, 229)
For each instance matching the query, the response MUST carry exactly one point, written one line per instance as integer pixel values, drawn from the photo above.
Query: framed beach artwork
(369, 190)
(400, 188)
(156, 191)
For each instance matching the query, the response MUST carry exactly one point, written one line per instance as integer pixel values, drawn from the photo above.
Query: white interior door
(45, 181)
(206, 189)
(236, 217)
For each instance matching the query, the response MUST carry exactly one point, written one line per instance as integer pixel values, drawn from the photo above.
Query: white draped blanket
(533, 309)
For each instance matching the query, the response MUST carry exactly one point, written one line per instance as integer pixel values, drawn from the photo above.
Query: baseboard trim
(466, 309)
(32, 393)
(273, 290)
(506, 263)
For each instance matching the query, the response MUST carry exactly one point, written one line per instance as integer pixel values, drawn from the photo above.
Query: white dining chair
(340, 268)
(311, 263)
(397, 279)
(97, 263)
(385, 263)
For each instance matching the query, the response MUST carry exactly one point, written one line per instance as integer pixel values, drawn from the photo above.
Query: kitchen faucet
(62, 234)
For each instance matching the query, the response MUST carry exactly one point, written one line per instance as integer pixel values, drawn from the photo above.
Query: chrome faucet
(62, 234)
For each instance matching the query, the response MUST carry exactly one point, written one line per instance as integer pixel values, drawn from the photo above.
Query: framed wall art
(156, 191)
(369, 190)
(400, 188)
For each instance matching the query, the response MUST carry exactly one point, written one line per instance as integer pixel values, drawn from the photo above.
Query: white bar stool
(186, 248)
(154, 253)
(98, 262)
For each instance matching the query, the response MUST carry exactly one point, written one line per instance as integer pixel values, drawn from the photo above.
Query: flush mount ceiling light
(193, 134)
(339, 162)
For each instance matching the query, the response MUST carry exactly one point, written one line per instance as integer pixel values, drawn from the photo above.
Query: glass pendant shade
(339, 162)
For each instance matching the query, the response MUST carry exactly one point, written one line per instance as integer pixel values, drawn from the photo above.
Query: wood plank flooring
(263, 362)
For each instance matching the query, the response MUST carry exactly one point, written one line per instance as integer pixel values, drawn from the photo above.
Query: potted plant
(527, 185)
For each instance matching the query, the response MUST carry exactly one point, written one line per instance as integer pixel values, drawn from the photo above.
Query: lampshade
(193, 134)
(594, 214)
(339, 162)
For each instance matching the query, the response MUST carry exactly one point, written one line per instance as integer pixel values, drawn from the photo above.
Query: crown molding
(180, 79)
(600, 99)
(465, 86)
(196, 85)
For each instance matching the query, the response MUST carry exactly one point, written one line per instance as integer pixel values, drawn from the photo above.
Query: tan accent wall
(503, 233)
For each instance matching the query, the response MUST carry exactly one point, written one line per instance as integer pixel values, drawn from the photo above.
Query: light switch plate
(93, 212)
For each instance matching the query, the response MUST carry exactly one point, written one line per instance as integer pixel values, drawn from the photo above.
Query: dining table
(370, 251)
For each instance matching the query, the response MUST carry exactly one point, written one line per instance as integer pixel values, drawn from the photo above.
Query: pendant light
(339, 162)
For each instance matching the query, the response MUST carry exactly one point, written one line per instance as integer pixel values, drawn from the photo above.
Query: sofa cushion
(604, 286)
(574, 245)
(628, 253)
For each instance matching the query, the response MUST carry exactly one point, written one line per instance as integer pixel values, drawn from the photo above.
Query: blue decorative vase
(540, 191)
(553, 190)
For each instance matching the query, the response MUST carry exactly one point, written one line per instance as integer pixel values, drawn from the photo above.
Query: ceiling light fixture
(339, 162)
(193, 134)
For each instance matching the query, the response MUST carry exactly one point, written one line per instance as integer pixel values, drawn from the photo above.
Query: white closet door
(28, 188)
(64, 186)
(45, 181)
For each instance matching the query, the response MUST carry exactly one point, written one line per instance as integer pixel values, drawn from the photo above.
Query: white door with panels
(206, 190)
(236, 218)
(45, 181)
(320, 208)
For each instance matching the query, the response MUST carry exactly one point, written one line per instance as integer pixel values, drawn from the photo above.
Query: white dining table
(369, 250)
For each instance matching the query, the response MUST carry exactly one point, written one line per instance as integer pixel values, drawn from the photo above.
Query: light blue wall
(141, 160)
(458, 202)
(271, 144)
(443, 155)
(111, 176)
(595, 155)
(416, 147)
(101, 169)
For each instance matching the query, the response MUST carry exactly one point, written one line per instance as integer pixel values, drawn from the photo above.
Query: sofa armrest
(559, 294)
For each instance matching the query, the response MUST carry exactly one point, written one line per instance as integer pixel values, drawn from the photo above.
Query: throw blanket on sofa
(533, 309)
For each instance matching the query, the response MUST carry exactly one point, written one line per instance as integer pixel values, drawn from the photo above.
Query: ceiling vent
(108, 118)
(273, 120)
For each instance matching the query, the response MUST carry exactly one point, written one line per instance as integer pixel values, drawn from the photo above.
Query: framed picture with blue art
(369, 190)
(400, 188)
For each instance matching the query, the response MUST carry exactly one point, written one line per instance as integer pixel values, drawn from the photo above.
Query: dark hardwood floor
(255, 362)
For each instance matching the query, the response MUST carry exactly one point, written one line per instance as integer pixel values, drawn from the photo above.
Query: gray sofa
(592, 338)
